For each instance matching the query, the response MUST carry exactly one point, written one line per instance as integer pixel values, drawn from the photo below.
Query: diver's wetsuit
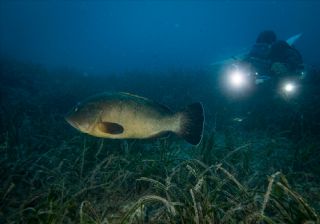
(258, 58)
(282, 52)
(267, 52)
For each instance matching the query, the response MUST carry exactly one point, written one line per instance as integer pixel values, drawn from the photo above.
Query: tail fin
(191, 125)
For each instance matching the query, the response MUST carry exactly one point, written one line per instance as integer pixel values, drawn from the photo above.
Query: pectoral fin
(110, 128)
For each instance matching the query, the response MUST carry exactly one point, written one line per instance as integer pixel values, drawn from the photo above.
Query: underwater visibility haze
(159, 111)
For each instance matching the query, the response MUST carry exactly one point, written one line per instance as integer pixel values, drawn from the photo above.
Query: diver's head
(267, 37)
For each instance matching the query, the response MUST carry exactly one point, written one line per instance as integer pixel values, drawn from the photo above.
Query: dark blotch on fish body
(127, 116)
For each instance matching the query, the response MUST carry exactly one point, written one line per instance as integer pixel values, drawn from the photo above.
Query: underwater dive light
(238, 79)
(289, 88)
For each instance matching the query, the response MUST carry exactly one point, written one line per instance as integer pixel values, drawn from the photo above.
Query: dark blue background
(119, 36)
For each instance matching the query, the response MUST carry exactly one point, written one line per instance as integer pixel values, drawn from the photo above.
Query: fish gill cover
(257, 162)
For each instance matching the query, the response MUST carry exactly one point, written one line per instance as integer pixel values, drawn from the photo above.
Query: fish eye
(76, 108)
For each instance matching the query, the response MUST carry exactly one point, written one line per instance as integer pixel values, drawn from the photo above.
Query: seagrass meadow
(262, 167)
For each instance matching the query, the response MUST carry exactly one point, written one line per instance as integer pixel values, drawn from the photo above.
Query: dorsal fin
(133, 95)
(163, 107)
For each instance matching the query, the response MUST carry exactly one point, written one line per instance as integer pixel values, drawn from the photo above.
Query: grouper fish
(127, 116)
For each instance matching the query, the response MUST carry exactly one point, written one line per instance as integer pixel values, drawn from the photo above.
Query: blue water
(118, 36)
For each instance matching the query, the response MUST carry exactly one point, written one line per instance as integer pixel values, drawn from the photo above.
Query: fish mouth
(72, 123)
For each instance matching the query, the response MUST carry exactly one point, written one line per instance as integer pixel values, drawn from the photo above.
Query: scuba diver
(271, 61)
(275, 64)
(283, 86)
(272, 58)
